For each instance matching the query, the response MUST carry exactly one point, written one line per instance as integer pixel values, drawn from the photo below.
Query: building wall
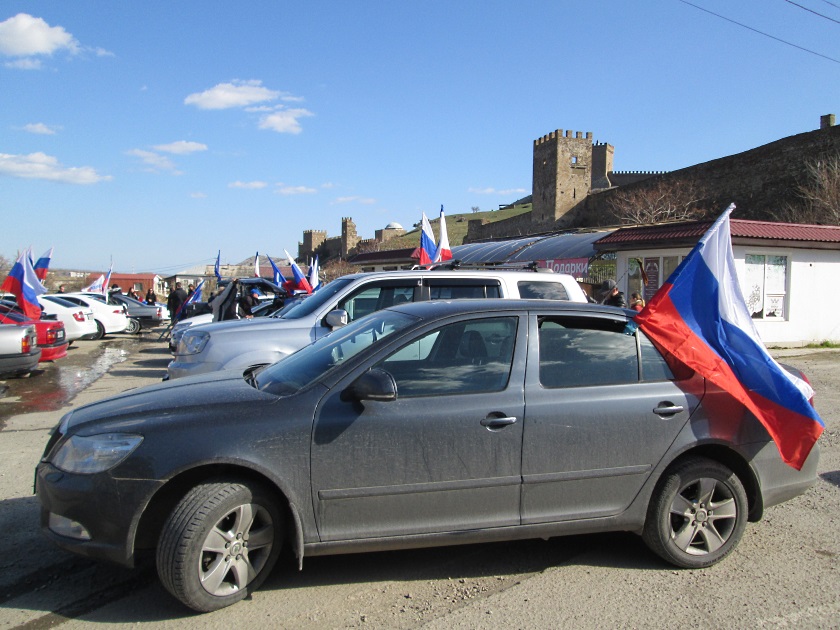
(811, 306)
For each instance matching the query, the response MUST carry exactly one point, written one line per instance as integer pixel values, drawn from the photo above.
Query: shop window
(765, 286)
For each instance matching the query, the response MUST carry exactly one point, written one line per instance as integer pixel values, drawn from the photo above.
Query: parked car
(425, 424)
(110, 318)
(243, 344)
(265, 309)
(19, 351)
(49, 331)
(78, 320)
(140, 314)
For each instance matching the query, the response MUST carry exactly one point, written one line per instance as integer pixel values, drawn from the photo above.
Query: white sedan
(79, 322)
(110, 318)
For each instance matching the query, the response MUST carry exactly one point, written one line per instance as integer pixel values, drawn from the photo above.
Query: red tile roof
(679, 234)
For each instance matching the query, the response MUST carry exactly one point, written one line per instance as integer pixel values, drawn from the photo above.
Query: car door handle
(668, 409)
(492, 422)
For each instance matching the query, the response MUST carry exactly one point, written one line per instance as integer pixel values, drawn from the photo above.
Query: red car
(50, 331)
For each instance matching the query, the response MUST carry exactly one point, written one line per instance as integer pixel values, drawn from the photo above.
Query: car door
(602, 409)
(445, 455)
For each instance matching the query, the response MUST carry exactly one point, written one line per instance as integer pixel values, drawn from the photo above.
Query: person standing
(611, 296)
(151, 298)
(175, 301)
(637, 303)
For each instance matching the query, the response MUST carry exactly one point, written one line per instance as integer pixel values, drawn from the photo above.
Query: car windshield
(309, 364)
(317, 299)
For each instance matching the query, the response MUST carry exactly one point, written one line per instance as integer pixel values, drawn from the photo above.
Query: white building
(789, 273)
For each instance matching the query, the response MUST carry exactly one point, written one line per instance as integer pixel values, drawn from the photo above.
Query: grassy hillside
(456, 227)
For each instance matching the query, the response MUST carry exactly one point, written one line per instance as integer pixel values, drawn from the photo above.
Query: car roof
(460, 273)
(442, 308)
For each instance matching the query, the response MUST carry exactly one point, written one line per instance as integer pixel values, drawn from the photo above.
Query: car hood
(257, 323)
(166, 401)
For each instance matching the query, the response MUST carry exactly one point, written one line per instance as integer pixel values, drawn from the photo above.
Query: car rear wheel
(100, 330)
(697, 514)
(219, 544)
(133, 327)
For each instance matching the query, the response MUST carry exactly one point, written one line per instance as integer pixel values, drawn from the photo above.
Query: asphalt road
(784, 574)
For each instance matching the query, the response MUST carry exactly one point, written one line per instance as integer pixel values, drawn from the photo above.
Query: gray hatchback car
(431, 423)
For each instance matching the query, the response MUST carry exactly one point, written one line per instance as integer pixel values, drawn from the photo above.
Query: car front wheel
(219, 544)
(697, 514)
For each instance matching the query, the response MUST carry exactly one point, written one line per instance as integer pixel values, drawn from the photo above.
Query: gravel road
(784, 574)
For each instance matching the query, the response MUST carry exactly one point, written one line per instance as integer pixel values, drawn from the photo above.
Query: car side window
(579, 351)
(654, 367)
(462, 289)
(535, 290)
(466, 357)
(374, 298)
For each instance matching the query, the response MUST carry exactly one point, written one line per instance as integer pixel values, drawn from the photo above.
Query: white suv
(247, 343)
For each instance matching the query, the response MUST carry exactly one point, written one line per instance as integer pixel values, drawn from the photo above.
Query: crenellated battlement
(559, 133)
(638, 172)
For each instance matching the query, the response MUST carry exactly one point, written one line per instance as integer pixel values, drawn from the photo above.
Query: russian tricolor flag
(25, 285)
(300, 283)
(427, 250)
(42, 265)
(699, 315)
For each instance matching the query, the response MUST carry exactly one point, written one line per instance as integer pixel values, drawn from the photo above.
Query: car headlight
(96, 453)
(193, 342)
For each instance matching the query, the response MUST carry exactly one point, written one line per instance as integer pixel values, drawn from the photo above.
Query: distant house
(788, 271)
(140, 282)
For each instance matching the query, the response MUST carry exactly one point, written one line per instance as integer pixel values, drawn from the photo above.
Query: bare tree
(819, 195)
(5, 267)
(475, 209)
(336, 268)
(656, 202)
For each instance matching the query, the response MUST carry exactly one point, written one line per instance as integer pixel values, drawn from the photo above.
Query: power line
(761, 32)
(812, 11)
(836, 6)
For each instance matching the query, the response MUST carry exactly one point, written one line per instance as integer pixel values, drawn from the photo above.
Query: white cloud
(248, 185)
(24, 64)
(234, 94)
(296, 190)
(39, 128)
(26, 36)
(155, 161)
(181, 147)
(493, 191)
(198, 195)
(42, 166)
(284, 120)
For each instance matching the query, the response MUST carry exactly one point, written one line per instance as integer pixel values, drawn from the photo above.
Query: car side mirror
(337, 318)
(374, 384)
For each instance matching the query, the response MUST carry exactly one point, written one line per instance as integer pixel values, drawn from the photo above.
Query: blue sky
(157, 133)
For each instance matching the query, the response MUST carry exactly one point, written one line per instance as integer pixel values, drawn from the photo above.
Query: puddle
(52, 387)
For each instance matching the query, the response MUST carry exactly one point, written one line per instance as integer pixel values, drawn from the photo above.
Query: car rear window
(535, 290)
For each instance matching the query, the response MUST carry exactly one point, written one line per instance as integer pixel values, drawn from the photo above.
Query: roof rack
(451, 265)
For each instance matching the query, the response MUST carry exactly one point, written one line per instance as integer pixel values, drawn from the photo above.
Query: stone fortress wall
(574, 181)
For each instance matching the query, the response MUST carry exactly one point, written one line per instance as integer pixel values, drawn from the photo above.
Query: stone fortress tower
(562, 173)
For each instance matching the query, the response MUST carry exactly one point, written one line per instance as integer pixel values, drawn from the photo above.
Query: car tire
(100, 330)
(133, 327)
(697, 514)
(219, 544)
